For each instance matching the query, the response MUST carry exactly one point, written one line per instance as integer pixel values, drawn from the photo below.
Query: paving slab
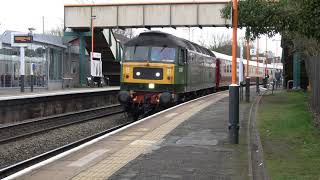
(188, 142)
(196, 149)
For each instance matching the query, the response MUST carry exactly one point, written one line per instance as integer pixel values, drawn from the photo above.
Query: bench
(66, 81)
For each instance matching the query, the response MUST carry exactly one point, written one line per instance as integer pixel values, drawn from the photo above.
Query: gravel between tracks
(25, 148)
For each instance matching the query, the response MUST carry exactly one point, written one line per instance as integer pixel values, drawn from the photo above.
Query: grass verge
(290, 141)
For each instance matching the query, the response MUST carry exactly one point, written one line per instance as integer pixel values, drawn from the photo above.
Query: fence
(313, 70)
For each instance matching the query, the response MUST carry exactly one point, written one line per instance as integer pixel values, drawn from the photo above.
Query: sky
(19, 15)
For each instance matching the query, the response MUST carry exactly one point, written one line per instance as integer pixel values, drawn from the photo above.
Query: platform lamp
(92, 34)
(273, 60)
(234, 87)
(31, 29)
(247, 69)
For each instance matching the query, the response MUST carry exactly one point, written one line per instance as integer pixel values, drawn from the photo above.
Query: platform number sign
(96, 65)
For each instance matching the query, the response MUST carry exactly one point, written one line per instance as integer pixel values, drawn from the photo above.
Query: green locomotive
(159, 69)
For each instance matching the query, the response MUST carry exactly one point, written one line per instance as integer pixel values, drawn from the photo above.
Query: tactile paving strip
(113, 163)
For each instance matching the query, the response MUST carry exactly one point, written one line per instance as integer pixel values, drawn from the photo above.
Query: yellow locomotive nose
(148, 73)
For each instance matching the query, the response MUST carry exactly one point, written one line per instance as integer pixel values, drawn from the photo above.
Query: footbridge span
(81, 18)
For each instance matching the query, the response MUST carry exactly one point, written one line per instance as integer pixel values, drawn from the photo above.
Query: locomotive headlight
(157, 74)
(151, 86)
(138, 73)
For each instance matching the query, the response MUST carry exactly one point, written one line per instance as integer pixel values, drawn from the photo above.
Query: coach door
(218, 73)
(182, 69)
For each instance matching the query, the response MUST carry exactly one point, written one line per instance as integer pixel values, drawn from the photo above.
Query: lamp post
(92, 34)
(257, 68)
(273, 62)
(234, 87)
(265, 64)
(31, 64)
(248, 76)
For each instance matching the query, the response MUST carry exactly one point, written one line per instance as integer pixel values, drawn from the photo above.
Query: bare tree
(126, 32)
(219, 40)
(223, 44)
(57, 31)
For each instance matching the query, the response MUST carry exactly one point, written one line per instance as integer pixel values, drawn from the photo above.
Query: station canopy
(146, 14)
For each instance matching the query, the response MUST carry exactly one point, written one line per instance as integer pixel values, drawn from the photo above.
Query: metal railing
(114, 45)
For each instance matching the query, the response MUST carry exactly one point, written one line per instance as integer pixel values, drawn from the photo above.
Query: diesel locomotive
(159, 70)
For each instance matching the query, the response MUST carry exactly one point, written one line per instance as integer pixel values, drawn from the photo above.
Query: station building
(56, 62)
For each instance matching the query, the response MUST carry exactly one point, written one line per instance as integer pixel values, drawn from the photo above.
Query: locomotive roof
(163, 39)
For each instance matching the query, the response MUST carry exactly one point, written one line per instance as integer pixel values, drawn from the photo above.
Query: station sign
(20, 39)
(95, 56)
(23, 39)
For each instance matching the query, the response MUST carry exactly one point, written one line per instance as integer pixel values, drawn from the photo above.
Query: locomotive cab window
(182, 57)
(163, 54)
(136, 53)
(153, 54)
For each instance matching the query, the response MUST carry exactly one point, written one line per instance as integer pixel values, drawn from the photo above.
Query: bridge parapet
(135, 13)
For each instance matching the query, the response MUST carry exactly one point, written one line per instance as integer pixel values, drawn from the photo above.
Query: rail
(29, 162)
(27, 129)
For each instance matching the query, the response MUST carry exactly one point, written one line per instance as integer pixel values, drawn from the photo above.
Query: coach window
(227, 67)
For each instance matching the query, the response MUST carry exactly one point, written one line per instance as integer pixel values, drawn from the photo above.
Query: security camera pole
(234, 87)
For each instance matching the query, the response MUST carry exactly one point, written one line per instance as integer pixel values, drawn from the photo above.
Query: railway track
(29, 162)
(27, 129)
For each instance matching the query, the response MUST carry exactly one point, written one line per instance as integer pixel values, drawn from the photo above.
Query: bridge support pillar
(82, 62)
(82, 52)
(234, 114)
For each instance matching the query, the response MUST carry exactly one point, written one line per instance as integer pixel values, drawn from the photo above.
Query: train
(159, 70)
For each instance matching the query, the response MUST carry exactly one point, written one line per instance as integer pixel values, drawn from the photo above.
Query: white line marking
(171, 115)
(57, 93)
(142, 143)
(54, 158)
(90, 157)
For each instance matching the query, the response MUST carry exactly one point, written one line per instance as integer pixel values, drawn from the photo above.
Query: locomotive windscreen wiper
(163, 48)
(134, 50)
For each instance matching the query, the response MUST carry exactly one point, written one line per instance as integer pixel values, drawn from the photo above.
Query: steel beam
(165, 14)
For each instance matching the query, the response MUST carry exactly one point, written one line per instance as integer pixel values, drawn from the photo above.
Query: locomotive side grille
(148, 73)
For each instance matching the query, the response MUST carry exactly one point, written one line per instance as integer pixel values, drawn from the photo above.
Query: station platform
(17, 107)
(14, 94)
(188, 141)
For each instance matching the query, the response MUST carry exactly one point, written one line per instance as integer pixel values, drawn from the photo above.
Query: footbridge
(134, 14)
